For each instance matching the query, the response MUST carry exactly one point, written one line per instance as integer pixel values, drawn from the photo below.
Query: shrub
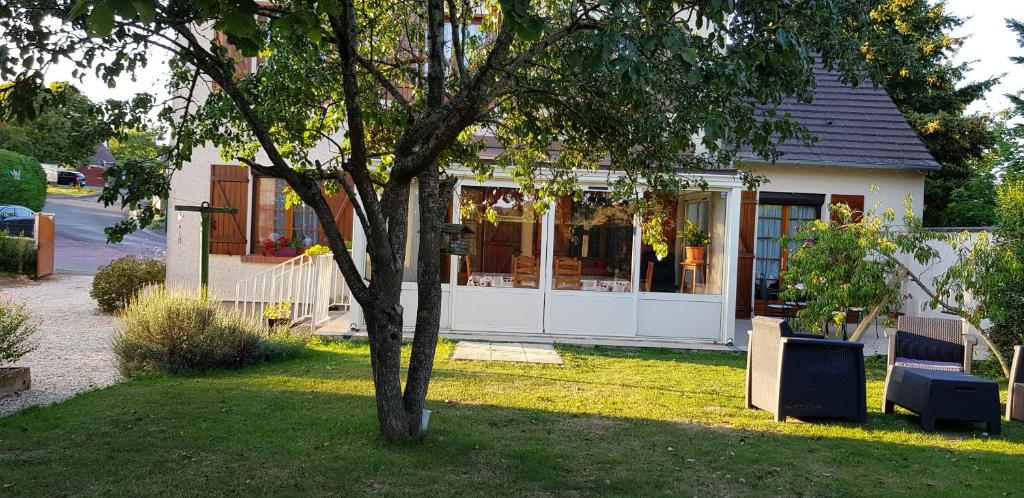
(117, 282)
(177, 331)
(22, 181)
(17, 255)
(17, 330)
(1007, 289)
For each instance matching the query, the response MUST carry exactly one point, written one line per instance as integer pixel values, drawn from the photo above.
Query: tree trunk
(384, 328)
(428, 310)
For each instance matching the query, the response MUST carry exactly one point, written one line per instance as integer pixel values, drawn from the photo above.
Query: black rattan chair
(1015, 387)
(799, 375)
(931, 343)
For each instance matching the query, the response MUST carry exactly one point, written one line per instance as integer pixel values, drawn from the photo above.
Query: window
(688, 268)
(775, 221)
(412, 241)
(272, 221)
(508, 238)
(593, 245)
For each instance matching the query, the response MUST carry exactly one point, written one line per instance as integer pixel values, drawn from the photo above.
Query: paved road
(81, 247)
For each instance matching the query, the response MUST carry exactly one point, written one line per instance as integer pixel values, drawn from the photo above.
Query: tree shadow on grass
(301, 428)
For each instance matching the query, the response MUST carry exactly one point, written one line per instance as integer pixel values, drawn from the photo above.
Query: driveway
(81, 246)
(73, 353)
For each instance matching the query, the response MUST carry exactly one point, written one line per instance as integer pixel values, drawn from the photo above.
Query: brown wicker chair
(931, 343)
(1015, 387)
(803, 375)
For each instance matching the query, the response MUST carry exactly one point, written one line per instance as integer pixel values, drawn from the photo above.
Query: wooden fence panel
(45, 233)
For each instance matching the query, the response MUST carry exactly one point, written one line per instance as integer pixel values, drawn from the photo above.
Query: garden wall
(917, 304)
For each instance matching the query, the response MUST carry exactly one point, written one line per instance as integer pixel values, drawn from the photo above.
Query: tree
(641, 83)
(933, 95)
(136, 143)
(861, 262)
(64, 131)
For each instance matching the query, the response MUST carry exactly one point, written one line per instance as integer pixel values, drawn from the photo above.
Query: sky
(988, 44)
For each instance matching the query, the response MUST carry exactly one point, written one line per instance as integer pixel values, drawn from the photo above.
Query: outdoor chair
(525, 271)
(568, 273)
(1015, 386)
(931, 343)
(802, 375)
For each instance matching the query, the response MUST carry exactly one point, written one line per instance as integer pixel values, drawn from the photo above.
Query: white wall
(891, 184)
(916, 304)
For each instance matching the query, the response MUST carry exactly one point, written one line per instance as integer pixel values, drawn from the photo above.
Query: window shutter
(855, 202)
(229, 187)
(341, 209)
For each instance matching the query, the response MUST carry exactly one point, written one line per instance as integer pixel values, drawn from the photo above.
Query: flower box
(289, 252)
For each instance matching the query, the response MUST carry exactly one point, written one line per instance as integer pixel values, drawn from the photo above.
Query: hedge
(17, 255)
(22, 181)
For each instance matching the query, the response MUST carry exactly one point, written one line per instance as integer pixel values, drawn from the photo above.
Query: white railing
(306, 286)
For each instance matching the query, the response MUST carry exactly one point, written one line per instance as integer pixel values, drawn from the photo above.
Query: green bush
(16, 330)
(117, 282)
(1007, 294)
(178, 331)
(17, 255)
(22, 181)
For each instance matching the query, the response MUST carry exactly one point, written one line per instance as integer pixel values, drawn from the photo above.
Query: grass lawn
(611, 422)
(69, 191)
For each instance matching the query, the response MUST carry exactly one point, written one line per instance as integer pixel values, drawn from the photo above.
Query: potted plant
(695, 241)
(278, 314)
(281, 246)
(16, 340)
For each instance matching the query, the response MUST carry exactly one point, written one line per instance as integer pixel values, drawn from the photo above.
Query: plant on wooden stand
(17, 331)
(278, 314)
(695, 241)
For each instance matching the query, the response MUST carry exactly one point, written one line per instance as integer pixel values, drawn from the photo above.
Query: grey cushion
(920, 347)
(948, 366)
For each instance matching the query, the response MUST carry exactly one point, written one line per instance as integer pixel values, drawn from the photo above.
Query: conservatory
(581, 269)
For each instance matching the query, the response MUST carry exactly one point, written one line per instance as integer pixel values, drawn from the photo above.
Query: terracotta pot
(290, 252)
(14, 379)
(695, 253)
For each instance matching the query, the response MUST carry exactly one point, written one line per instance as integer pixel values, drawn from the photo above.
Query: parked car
(19, 221)
(72, 178)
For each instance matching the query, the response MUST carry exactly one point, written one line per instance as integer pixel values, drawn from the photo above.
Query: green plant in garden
(845, 264)
(116, 282)
(175, 330)
(17, 330)
(17, 254)
(278, 311)
(22, 180)
(693, 236)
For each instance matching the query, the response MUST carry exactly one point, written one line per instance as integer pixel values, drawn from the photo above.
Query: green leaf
(78, 9)
(316, 34)
(101, 20)
(146, 10)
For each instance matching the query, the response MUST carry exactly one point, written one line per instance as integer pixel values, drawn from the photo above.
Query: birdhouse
(456, 239)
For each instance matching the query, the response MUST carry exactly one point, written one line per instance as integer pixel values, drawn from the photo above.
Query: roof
(856, 127)
(101, 156)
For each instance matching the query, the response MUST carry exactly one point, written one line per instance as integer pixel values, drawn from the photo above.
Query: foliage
(693, 236)
(177, 331)
(278, 311)
(845, 264)
(118, 281)
(64, 130)
(22, 181)
(17, 330)
(17, 254)
(383, 98)
(317, 249)
(136, 143)
(933, 94)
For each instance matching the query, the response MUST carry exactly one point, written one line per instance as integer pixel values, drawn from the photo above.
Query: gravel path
(74, 341)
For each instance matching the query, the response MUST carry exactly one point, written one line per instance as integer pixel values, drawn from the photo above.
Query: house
(580, 271)
(101, 159)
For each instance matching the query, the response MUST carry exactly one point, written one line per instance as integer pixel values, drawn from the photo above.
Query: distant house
(101, 159)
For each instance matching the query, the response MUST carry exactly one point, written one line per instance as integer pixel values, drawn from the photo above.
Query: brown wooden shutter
(341, 209)
(856, 203)
(745, 268)
(229, 187)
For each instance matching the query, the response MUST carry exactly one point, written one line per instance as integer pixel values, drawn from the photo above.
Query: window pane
(593, 246)
(685, 269)
(412, 241)
(508, 238)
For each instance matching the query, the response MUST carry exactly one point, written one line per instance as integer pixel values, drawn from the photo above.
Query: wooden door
(44, 244)
(745, 268)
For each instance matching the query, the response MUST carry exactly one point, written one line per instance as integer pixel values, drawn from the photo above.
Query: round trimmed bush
(22, 181)
(116, 283)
